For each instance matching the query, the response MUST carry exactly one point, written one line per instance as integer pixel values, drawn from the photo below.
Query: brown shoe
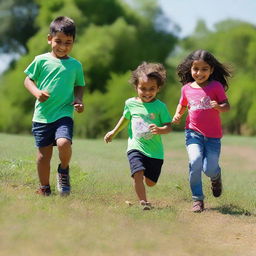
(198, 206)
(216, 187)
(44, 191)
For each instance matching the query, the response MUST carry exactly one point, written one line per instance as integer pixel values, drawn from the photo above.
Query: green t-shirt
(58, 77)
(141, 115)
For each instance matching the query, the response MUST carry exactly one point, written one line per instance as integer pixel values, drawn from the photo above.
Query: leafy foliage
(16, 24)
(112, 38)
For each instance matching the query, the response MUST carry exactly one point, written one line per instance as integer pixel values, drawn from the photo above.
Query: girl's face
(200, 71)
(147, 90)
(61, 44)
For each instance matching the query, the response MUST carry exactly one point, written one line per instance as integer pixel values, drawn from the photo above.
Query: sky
(186, 13)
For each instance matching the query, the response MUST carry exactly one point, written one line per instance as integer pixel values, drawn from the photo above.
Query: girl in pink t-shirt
(204, 81)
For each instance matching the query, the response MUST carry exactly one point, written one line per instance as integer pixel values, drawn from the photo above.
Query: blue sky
(185, 13)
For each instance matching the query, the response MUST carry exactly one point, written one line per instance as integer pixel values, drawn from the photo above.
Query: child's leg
(195, 149)
(149, 182)
(139, 186)
(63, 136)
(44, 156)
(65, 152)
(211, 159)
(211, 165)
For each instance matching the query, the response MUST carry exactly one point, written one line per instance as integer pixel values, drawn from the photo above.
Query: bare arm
(122, 123)
(78, 102)
(180, 110)
(222, 107)
(32, 88)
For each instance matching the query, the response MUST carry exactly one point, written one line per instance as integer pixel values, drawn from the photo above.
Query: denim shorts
(139, 162)
(47, 133)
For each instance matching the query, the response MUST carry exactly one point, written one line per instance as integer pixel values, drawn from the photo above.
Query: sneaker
(44, 190)
(216, 187)
(145, 205)
(63, 183)
(198, 206)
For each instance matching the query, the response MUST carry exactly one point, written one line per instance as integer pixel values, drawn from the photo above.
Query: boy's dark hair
(220, 73)
(63, 24)
(149, 71)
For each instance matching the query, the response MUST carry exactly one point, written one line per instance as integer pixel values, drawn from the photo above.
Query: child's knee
(63, 143)
(149, 182)
(212, 171)
(138, 176)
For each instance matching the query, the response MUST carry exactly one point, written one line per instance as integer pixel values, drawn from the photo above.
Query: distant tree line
(112, 39)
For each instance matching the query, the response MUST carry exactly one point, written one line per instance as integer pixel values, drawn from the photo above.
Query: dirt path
(224, 233)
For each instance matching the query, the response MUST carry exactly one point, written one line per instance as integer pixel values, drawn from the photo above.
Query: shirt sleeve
(80, 76)
(183, 100)
(33, 70)
(126, 113)
(165, 116)
(220, 93)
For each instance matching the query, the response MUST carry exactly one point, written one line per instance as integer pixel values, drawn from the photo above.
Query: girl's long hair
(220, 73)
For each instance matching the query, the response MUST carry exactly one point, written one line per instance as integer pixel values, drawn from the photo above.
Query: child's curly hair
(147, 71)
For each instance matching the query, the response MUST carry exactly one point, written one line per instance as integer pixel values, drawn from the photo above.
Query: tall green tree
(112, 38)
(16, 24)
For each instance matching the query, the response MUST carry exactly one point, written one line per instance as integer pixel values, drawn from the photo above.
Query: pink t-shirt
(201, 116)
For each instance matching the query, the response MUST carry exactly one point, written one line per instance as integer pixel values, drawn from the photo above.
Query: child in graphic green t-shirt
(57, 82)
(147, 118)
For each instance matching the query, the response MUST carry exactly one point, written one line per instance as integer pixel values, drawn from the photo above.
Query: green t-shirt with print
(58, 77)
(141, 115)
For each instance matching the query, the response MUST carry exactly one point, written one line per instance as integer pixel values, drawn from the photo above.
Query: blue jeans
(203, 154)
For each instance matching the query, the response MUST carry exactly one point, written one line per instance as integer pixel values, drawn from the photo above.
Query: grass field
(95, 220)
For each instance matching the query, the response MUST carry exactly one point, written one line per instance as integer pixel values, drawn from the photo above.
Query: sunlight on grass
(95, 220)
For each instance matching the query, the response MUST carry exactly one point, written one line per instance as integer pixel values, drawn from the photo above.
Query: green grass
(94, 219)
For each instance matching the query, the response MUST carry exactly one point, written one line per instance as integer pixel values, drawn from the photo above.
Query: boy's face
(61, 44)
(147, 90)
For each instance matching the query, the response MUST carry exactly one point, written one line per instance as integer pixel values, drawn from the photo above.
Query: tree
(17, 24)
(112, 38)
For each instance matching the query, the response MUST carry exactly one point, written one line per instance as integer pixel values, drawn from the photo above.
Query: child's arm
(32, 88)
(78, 101)
(222, 107)
(122, 123)
(180, 110)
(160, 130)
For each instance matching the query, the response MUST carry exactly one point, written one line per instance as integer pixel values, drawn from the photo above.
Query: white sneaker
(145, 205)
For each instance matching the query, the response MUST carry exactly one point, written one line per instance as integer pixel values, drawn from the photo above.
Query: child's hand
(214, 104)
(78, 105)
(154, 129)
(109, 136)
(42, 96)
(176, 119)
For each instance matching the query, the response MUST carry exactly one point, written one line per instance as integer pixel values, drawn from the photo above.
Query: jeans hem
(197, 198)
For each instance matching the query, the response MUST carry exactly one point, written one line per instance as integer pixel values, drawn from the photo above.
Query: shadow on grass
(232, 209)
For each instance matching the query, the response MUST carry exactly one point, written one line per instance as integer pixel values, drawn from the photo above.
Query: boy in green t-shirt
(57, 82)
(148, 118)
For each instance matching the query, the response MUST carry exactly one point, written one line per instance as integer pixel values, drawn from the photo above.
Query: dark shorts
(139, 162)
(47, 133)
